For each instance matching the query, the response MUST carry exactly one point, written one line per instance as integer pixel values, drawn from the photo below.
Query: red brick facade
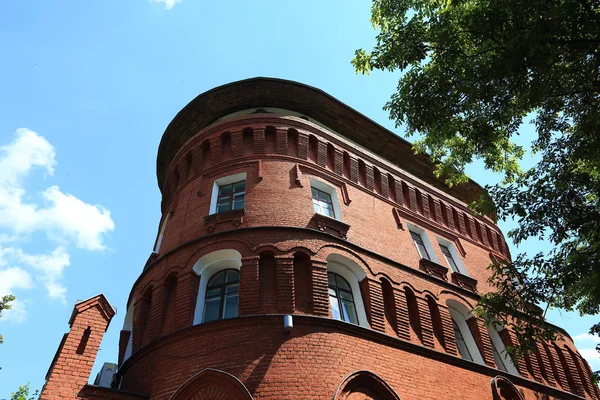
(404, 344)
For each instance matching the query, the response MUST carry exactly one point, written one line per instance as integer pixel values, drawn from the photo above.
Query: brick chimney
(73, 361)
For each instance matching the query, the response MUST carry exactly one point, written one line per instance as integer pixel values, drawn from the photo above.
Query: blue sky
(86, 91)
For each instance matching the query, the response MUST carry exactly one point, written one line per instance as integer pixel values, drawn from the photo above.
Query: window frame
(224, 181)
(332, 192)
(460, 319)
(413, 229)
(339, 298)
(319, 201)
(498, 345)
(222, 295)
(351, 273)
(460, 267)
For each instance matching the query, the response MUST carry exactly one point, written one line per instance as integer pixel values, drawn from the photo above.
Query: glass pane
(211, 309)
(342, 283)
(416, 237)
(349, 312)
(346, 296)
(326, 210)
(230, 307)
(232, 275)
(422, 251)
(332, 292)
(222, 207)
(239, 186)
(315, 193)
(451, 263)
(335, 308)
(498, 359)
(217, 279)
(238, 202)
(213, 293)
(225, 189)
(325, 197)
(445, 250)
(232, 288)
(316, 206)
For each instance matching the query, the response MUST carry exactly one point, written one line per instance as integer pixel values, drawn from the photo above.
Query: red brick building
(305, 252)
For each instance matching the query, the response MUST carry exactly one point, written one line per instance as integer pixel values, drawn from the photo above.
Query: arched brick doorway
(364, 385)
(212, 384)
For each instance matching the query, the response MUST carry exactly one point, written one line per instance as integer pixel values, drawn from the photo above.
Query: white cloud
(168, 3)
(586, 344)
(62, 217)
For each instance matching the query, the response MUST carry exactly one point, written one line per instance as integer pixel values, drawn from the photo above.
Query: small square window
(231, 196)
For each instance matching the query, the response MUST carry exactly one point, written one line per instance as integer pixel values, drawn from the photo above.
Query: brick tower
(305, 252)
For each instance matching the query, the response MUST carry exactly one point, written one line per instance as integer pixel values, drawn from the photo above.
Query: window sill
(464, 281)
(330, 225)
(233, 217)
(434, 269)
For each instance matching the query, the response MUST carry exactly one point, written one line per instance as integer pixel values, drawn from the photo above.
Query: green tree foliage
(472, 72)
(5, 305)
(23, 393)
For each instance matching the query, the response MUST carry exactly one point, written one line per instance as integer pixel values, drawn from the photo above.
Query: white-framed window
(464, 340)
(422, 243)
(346, 303)
(325, 200)
(219, 285)
(452, 257)
(228, 193)
(128, 326)
(501, 357)
(161, 233)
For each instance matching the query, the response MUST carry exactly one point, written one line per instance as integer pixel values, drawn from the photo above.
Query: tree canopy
(472, 73)
(5, 305)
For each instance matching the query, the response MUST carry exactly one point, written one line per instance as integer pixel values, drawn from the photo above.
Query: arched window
(219, 285)
(345, 298)
(501, 357)
(464, 339)
(341, 299)
(222, 294)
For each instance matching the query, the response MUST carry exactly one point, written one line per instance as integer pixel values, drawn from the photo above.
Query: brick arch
(212, 384)
(503, 389)
(446, 295)
(364, 385)
(327, 250)
(241, 246)
(268, 248)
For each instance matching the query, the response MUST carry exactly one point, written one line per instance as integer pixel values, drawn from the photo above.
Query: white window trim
(161, 234)
(461, 322)
(346, 273)
(497, 342)
(455, 256)
(330, 190)
(128, 326)
(207, 271)
(224, 181)
(421, 232)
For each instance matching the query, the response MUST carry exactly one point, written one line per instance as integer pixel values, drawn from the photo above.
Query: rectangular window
(449, 259)
(418, 240)
(231, 197)
(322, 202)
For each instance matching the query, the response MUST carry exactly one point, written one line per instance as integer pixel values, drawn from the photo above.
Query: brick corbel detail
(321, 154)
(338, 163)
(302, 146)
(320, 296)
(451, 222)
(509, 339)
(482, 339)
(385, 185)
(285, 284)
(249, 286)
(426, 210)
(576, 383)
(370, 180)
(448, 329)
(186, 299)
(373, 299)
(426, 322)
(412, 195)
(353, 169)
(215, 150)
(543, 357)
(237, 144)
(258, 144)
(402, 317)
(281, 146)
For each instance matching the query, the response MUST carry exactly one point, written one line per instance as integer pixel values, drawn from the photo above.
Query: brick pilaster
(385, 186)
(186, 298)
(482, 339)
(373, 299)
(237, 144)
(584, 373)
(545, 364)
(281, 146)
(259, 141)
(156, 313)
(450, 213)
(426, 211)
(215, 150)
(249, 286)
(448, 329)
(402, 316)
(321, 153)
(369, 178)
(338, 162)
(412, 198)
(302, 146)
(354, 169)
(320, 296)
(572, 374)
(426, 322)
(285, 284)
